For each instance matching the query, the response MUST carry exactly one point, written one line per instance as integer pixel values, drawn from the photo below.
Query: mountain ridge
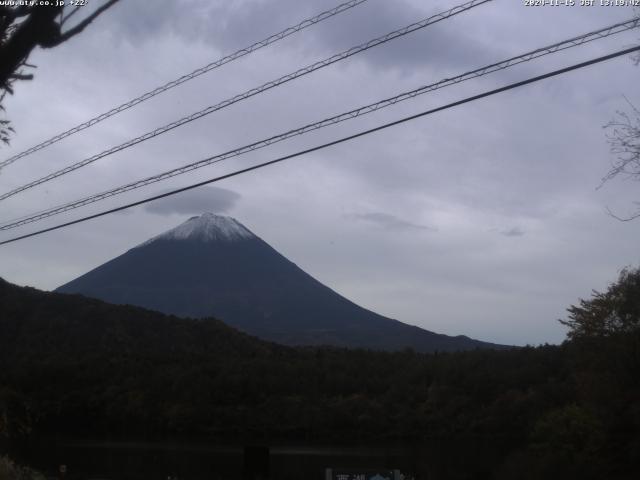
(214, 266)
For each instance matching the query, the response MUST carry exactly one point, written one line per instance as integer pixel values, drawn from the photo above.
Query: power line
(334, 142)
(540, 52)
(189, 76)
(254, 91)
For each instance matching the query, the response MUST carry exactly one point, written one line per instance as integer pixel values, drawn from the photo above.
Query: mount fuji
(213, 266)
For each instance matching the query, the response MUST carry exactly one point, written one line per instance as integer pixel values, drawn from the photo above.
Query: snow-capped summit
(207, 227)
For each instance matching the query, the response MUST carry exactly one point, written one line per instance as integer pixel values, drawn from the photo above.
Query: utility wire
(189, 76)
(254, 91)
(572, 42)
(334, 142)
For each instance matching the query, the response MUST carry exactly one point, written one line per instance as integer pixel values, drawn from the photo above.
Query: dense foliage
(74, 365)
(9, 470)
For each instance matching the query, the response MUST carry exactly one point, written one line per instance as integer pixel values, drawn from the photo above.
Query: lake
(187, 460)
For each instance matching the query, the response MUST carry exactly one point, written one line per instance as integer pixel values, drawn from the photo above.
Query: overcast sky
(483, 220)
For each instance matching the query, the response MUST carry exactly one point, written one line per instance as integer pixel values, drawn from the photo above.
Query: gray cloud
(228, 27)
(524, 162)
(208, 199)
(513, 232)
(388, 221)
(142, 22)
(434, 47)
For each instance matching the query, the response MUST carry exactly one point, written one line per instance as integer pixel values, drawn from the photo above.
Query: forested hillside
(73, 365)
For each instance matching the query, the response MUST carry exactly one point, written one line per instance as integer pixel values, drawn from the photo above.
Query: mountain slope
(214, 266)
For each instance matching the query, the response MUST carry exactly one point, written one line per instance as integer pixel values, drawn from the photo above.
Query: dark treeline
(78, 366)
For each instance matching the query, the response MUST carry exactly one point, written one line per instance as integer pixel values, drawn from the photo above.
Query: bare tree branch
(25, 27)
(623, 137)
(82, 25)
(623, 219)
(69, 15)
(22, 76)
(13, 13)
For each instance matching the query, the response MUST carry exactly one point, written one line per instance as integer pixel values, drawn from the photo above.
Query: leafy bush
(10, 471)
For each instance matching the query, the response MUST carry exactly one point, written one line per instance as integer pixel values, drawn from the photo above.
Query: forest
(78, 366)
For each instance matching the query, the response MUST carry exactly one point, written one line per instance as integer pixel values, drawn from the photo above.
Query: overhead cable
(334, 142)
(510, 62)
(250, 93)
(185, 78)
